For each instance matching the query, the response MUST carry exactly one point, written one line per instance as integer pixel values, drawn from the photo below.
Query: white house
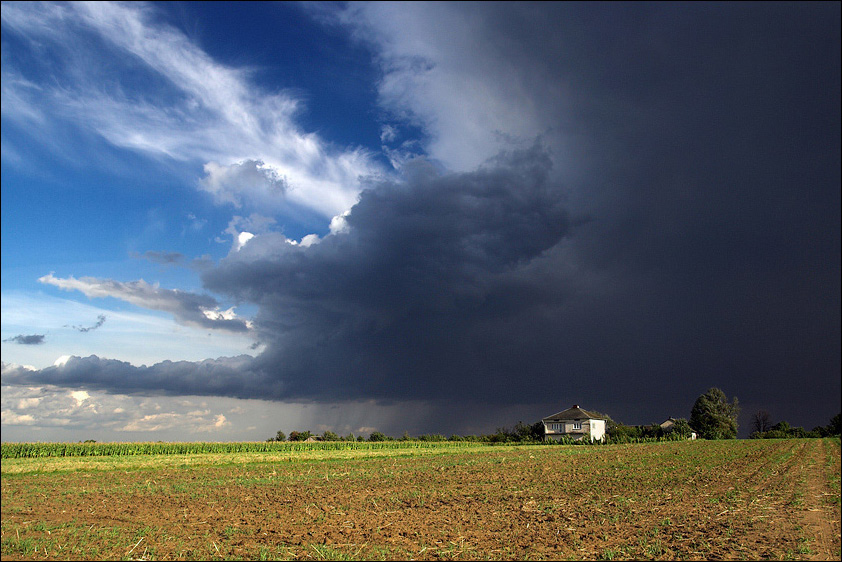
(574, 423)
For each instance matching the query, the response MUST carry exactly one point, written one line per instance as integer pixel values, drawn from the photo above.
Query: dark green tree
(299, 435)
(280, 436)
(835, 425)
(528, 432)
(682, 427)
(714, 417)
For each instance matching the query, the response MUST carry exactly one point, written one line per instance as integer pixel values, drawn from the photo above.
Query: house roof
(574, 413)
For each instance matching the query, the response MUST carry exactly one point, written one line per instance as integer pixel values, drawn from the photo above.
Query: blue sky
(220, 220)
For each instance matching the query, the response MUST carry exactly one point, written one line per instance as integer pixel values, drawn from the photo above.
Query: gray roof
(574, 413)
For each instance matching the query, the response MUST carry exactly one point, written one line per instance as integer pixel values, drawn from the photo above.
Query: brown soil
(737, 500)
(821, 514)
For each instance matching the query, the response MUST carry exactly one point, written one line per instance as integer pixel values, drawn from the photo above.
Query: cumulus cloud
(187, 308)
(33, 339)
(35, 410)
(192, 422)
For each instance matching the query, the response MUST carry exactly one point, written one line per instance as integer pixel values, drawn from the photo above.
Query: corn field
(35, 450)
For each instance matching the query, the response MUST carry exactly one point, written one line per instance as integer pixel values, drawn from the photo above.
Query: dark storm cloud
(702, 143)
(704, 140)
(229, 376)
(34, 339)
(409, 301)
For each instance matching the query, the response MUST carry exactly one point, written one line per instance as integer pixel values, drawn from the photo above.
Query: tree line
(713, 416)
(763, 428)
(519, 433)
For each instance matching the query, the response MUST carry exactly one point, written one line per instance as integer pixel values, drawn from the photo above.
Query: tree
(528, 432)
(610, 424)
(714, 417)
(377, 436)
(280, 436)
(299, 435)
(682, 427)
(835, 425)
(761, 422)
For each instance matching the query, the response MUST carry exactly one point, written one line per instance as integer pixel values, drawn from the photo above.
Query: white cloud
(388, 133)
(249, 179)
(247, 138)
(12, 418)
(61, 360)
(309, 240)
(187, 308)
(242, 239)
(80, 396)
(339, 223)
(46, 407)
(138, 337)
(26, 403)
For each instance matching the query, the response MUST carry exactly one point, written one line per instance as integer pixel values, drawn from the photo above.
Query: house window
(577, 425)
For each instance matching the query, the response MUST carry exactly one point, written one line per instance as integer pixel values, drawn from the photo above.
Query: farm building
(574, 423)
(669, 424)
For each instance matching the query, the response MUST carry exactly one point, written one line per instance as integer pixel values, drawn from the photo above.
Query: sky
(221, 220)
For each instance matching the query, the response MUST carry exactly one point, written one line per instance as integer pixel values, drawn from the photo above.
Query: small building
(574, 423)
(669, 424)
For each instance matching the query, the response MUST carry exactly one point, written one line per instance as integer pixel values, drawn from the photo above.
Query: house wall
(593, 429)
(560, 436)
(597, 430)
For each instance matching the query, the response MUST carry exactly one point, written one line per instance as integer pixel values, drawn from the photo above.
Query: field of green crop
(42, 450)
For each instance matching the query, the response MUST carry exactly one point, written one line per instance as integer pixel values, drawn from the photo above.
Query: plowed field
(770, 499)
